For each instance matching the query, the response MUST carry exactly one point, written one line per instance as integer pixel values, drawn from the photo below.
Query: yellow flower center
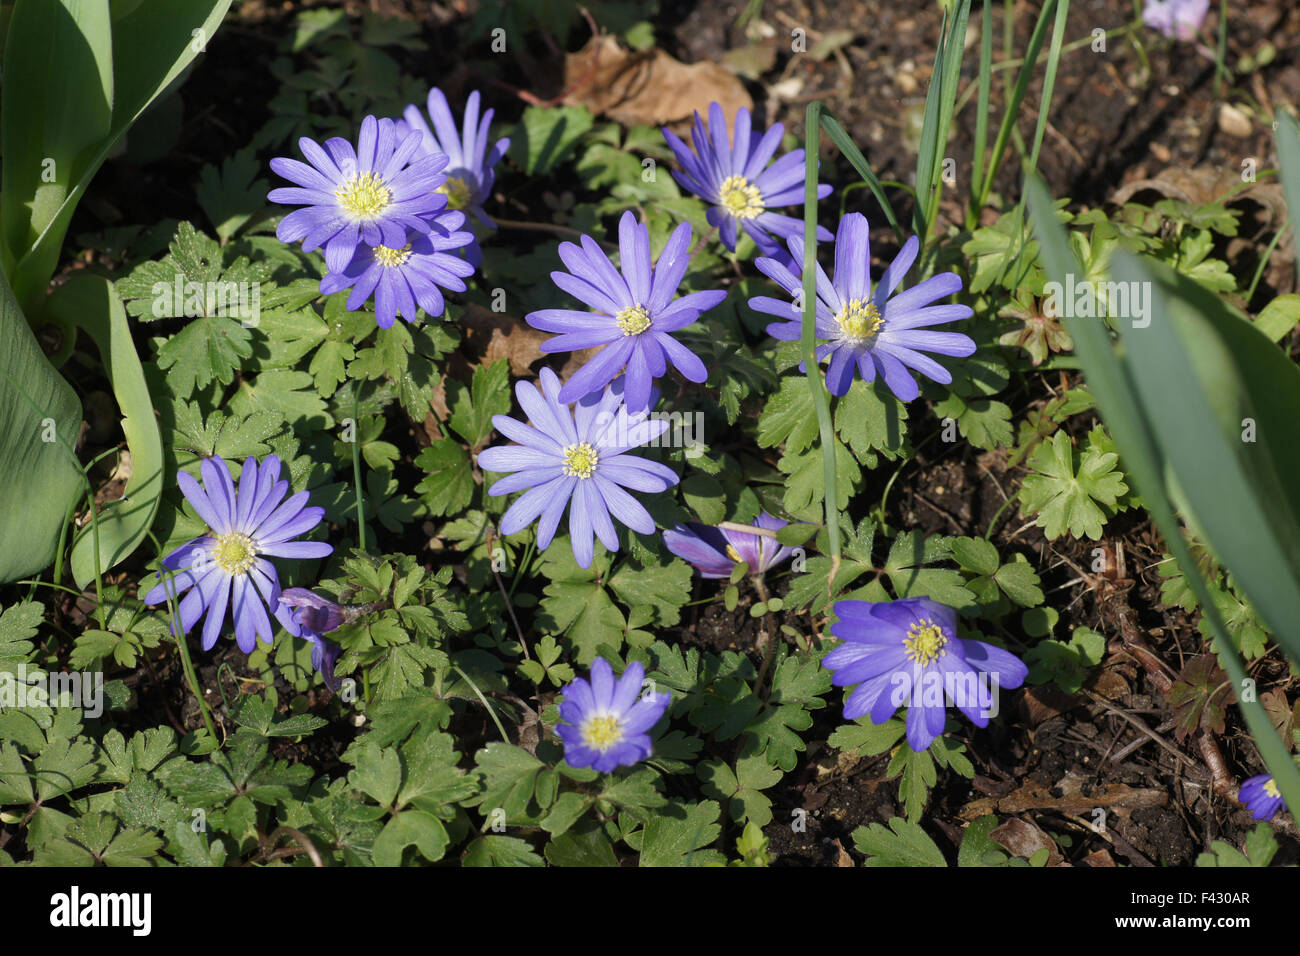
(391, 258)
(235, 552)
(580, 460)
(859, 320)
(633, 320)
(601, 732)
(740, 197)
(924, 642)
(1270, 788)
(457, 192)
(364, 196)
(733, 553)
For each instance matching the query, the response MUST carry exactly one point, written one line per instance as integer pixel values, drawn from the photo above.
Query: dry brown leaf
(1066, 797)
(1042, 703)
(1024, 839)
(648, 87)
(1100, 857)
(490, 336)
(842, 857)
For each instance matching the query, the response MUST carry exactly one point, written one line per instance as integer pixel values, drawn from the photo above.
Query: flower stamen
(859, 320)
(633, 320)
(363, 196)
(601, 732)
(925, 642)
(740, 197)
(580, 460)
(457, 192)
(392, 258)
(235, 552)
(1270, 788)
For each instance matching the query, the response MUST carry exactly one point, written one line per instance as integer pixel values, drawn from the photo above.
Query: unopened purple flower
(633, 312)
(716, 551)
(315, 617)
(414, 275)
(1176, 19)
(471, 166)
(733, 174)
(1261, 796)
(576, 459)
(864, 329)
(606, 722)
(225, 568)
(908, 652)
(373, 194)
(314, 613)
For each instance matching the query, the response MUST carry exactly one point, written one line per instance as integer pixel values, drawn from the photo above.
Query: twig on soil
(1141, 726)
(930, 504)
(1224, 785)
(304, 846)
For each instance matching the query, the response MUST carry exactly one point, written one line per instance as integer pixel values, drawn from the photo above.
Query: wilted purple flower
(1176, 19)
(733, 175)
(1261, 796)
(369, 194)
(865, 329)
(908, 652)
(716, 551)
(225, 567)
(470, 166)
(634, 312)
(403, 278)
(315, 617)
(607, 721)
(576, 456)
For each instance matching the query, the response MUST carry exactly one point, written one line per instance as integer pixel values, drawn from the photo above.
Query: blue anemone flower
(733, 174)
(606, 722)
(316, 616)
(863, 329)
(633, 312)
(576, 459)
(716, 551)
(471, 165)
(373, 194)
(226, 567)
(1261, 796)
(406, 277)
(1176, 19)
(908, 652)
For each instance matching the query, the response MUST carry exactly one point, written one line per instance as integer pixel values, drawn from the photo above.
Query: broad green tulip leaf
(53, 52)
(40, 418)
(92, 303)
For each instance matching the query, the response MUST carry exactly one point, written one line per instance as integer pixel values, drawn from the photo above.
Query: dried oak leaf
(650, 87)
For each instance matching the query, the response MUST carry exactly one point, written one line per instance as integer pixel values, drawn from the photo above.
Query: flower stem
(173, 611)
(356, 467)
(812, 140)
(99, 574)
(770, 649)
(491, 713)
